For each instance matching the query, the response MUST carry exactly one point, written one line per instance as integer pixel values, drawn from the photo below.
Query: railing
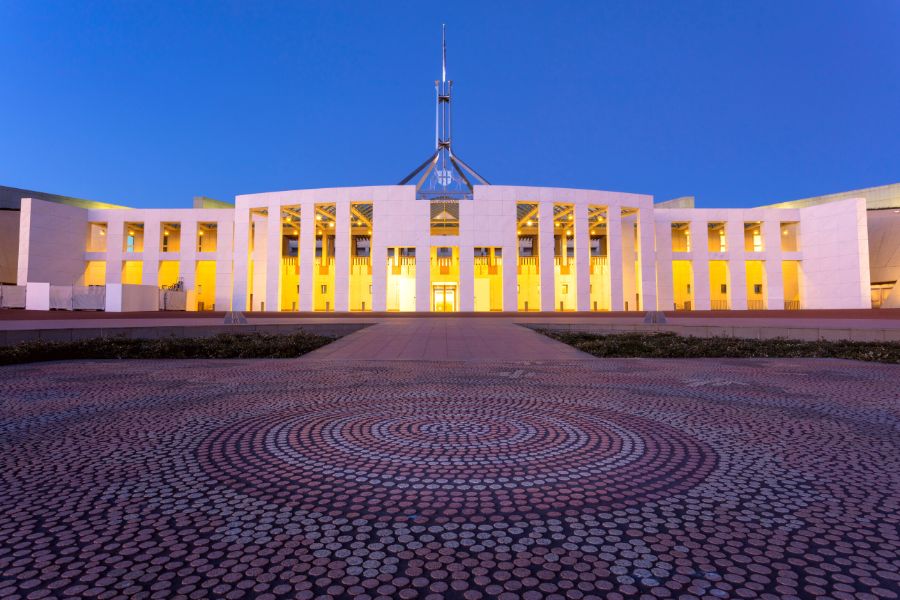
(756, 305)
(600, 260)
(687, 305)
(360, 261)
(485, 261)
(528, 261)
(719, 305)
(289, 261)
(791, 305)
(564, 261)
(444, 261)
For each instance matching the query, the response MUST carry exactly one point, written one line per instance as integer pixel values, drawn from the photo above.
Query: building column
(240, 267)
(224, 266)
(150, 275)
(115, 238)
(737, 274)
(342, 256)
(188, 259)
(273, 258)
(614, 241)
(647, 255)
(629, 260)
(307, 252)
(664, 284)
(379, 256)
(700, 270)
(545, 255)
(423, 278)
(774, 283)
(700, 266)
(466, 278)
(582, 258)
(510, 241)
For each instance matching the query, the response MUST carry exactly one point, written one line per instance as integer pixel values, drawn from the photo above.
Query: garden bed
(225, 345)
(671, 345)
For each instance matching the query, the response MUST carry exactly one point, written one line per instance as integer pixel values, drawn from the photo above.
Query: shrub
(225, 345)
(671, 345)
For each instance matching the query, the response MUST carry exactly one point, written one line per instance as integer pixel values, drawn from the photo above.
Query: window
(324, 288)
(716, 241)
(757, 288)
(681, 237)
(789, 237)
(753, 238)
(723, 288)
(97, 237)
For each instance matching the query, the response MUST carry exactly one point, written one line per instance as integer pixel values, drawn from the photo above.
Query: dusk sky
(148, 104)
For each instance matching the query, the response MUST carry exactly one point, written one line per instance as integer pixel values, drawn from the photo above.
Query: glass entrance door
(443, 298)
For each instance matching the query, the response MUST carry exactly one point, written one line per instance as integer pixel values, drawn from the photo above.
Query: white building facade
(385, 249)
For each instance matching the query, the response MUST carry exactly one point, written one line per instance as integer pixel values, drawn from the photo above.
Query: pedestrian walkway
(450, 339)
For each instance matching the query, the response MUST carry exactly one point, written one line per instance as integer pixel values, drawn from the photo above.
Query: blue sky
(737, 103)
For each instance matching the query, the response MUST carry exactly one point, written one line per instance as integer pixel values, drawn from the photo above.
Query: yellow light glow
(166, 233)
(529, 223)
(102, 232)
(318, 217)
(200, 232)
(571, 216)
(130, 232)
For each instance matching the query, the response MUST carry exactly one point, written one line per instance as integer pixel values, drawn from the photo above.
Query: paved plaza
(330, 477)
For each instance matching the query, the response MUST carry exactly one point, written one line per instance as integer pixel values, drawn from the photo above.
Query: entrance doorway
(443, 298)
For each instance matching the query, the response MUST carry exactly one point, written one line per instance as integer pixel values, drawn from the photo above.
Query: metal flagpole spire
(444, 176)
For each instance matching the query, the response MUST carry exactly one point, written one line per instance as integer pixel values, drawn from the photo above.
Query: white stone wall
(833, 246)
(52, 239)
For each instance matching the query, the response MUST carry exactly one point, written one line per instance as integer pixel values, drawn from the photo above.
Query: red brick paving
(318, 478)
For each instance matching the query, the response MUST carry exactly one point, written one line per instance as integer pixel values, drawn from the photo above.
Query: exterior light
(571, 216)
(200, 232)
(529, 223)
(102, 232)
(318, 217)
(130, 232)
(166, 233)
(784, 232)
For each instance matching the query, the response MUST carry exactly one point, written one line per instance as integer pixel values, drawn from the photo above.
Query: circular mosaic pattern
(302, 479)
(490, 456)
